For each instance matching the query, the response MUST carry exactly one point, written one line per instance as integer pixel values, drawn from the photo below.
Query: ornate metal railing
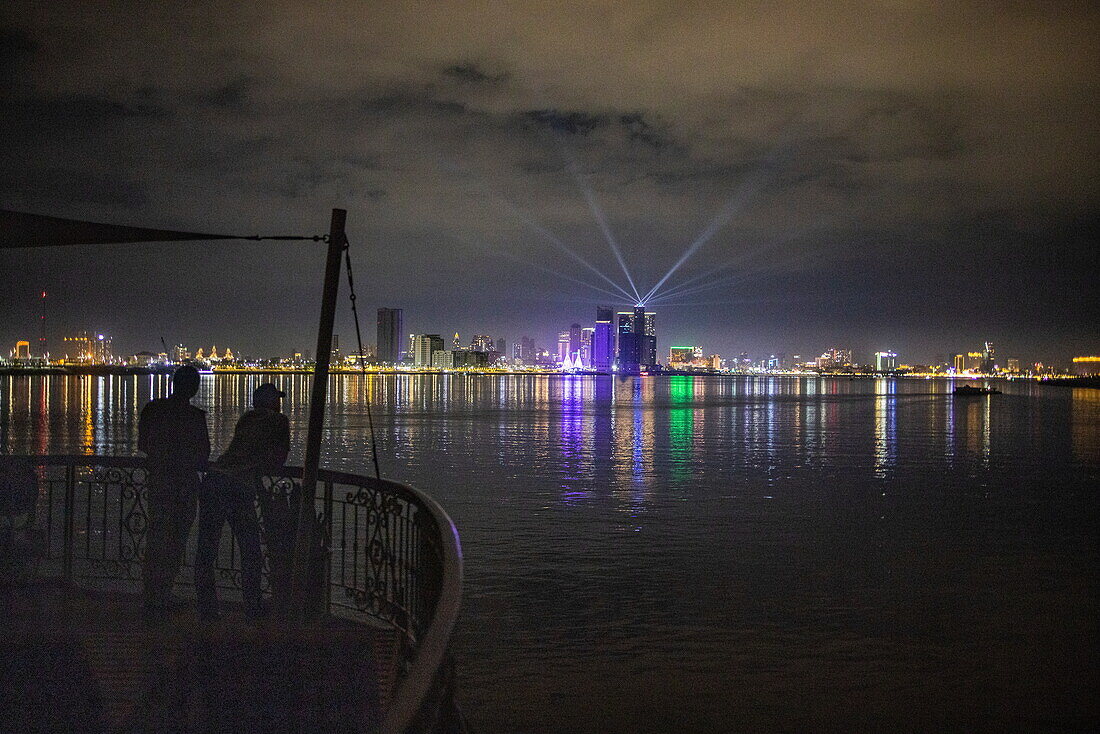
(391, 556)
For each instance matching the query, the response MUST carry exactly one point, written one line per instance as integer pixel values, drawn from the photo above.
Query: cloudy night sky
(910, 175)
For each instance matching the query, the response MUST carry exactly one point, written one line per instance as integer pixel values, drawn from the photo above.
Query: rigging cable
(362, 361)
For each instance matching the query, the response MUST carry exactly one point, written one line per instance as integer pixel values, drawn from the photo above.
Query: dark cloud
(471, 73)
(948, 142)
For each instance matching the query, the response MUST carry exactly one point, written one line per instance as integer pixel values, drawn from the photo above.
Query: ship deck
(78, 660)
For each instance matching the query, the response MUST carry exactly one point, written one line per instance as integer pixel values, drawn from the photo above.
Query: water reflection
(886, 438)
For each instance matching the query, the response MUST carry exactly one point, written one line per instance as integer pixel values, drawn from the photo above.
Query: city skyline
(609, 345)
(503, 169)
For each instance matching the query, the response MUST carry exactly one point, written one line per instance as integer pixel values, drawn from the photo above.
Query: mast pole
(294, 604)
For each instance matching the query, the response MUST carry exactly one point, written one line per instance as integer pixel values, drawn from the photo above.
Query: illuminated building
(647, 345)
(574, 340)
(563, 345)
(391, 325)
(681, 356)
(456, 344)
(960, 363)
(584, 354)
(180, 353)
(973, 361)
(517, 352)
(1083, 366)
(79, 348)
(1014, 366)
(637, 340)
(426, 345)
(502, 346)
(481, 343)
(200, 355)
(834, 359)
(103, 352)
(22, 350)
(714, 361)
(886, 361)
(603, 340)
(214, 353)
(989, 356)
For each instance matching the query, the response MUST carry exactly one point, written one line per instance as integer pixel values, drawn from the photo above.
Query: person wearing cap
(260, 444)
(173, 435)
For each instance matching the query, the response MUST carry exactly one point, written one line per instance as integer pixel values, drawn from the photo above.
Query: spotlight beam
(536, 227)
(605, 291)
(732, 206)
(594, 206)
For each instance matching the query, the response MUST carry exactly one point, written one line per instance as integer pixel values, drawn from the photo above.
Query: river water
(718, 553)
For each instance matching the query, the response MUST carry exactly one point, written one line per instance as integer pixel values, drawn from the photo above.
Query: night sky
(909, 175)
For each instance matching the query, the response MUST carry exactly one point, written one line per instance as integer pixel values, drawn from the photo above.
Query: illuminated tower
(603, 341)
(989, 356)
(647, 344)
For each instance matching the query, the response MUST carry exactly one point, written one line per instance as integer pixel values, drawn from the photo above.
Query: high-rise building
(647, 355)
(102, 351)
(626, 354)
(989, 358)
(574, 340)
(391, 327)
(974, 361)
(637, 340)
(603, 340)
(426, 346)
(22, 350)
(527, 350)
(563, 345)
(960, 363)
(481, 343)
(502, 346)
(456, 344)
(886, 361)
(1013, 365)
(517, 352)
(587, 337)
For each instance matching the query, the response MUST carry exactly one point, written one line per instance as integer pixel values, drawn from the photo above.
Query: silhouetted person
(261, 442)
(173, 434)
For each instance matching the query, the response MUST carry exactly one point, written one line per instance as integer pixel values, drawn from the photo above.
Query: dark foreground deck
(77, 655)
(76, 660)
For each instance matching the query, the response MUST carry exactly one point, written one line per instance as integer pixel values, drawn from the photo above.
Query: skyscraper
(391, 327)
(574, 340)
(603, 341)
(637, 340)
(563, 345)
(989, 357)
(585, 352)
(527, 350)
(886, 361)
(426, 346)
(647, 345)
(481, 343)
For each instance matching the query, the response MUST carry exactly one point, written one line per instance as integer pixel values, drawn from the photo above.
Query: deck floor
(76, 660)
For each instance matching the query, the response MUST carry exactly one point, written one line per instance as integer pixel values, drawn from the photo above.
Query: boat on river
(976, 390)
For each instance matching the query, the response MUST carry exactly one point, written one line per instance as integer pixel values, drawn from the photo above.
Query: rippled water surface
(719, 554)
